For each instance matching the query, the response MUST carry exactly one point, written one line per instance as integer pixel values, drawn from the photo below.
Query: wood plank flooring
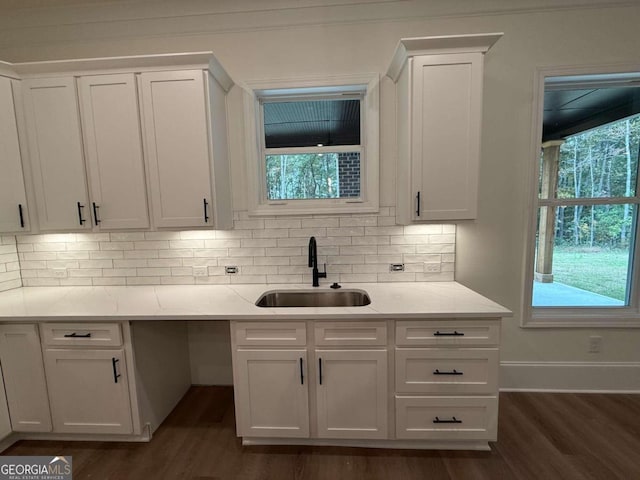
(542, 436)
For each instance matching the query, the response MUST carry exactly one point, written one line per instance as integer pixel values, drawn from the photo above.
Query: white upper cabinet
(118, 143)
(13, 202)
(177, 143)
(55, 148)
(439, 113)
(113, 146)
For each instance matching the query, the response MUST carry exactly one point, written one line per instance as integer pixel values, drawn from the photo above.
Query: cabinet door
(89, 391)
(55, 150)
(447, 101)
(5, 420)
(13, 201)
(111, 125)
(352, 393)
(272, 398)
(176, 141)
(24, 378)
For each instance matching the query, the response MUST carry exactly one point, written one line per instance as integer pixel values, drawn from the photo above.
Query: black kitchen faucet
(313, 262)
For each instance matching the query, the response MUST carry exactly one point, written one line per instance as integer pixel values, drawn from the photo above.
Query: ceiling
(571, 110)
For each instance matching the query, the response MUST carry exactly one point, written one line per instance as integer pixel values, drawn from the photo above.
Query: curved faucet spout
(313, 262)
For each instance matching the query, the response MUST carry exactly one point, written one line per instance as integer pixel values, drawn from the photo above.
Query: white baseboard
(587, 377)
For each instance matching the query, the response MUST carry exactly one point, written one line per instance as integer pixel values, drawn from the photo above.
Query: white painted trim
(567, 317)
(395, 444)
(368, 202)
(446, 44)
(586, 377)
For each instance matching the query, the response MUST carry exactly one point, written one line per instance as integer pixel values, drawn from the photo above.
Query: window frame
(256, 93)
(563, 317)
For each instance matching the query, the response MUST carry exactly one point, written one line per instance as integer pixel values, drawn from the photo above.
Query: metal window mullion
(567, 202)
(312, 150)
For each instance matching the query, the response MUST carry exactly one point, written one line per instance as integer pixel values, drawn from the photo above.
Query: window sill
(302, 207)
(614, 317)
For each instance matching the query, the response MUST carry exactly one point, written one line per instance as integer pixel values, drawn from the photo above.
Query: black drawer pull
(418, 204)
(116, 375)
(75, 335)
(453, 420)
(206, 214)
(95, 214)
(453, 372)
(320, 370)
(80, 219)
(455, 333)
(301, 373)
(21, 215)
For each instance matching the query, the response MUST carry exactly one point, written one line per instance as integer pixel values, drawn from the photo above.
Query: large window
(583, 258)
(316, 147)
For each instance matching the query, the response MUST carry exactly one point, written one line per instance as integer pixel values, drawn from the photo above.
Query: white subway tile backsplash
(175, 244)
(358, 221)
(345, 232)
(75, 255)
(108, 281)
(318, 222)
(356, 248)
(283, 223)
(259, 242)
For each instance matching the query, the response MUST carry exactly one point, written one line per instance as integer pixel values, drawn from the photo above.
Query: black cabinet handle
(116, 375)
(320, 370)
(453, 372)
(80, 219)
(453, 420)
(21, 215)
(455, 333)
(301, 373)
(206, 215)
(418, 204)
(95, 214)
(75, 335)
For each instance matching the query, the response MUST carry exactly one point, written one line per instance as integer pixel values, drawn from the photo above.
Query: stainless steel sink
(312, 298)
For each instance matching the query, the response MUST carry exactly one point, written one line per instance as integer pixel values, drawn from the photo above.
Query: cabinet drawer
(433, 370)
(279, 334)
(447, 418)
(351, 333)
(84, 334)
(448, 332)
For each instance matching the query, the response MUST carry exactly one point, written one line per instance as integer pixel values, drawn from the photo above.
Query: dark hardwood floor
(542, 436)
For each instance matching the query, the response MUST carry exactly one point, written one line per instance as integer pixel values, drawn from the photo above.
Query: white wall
(304, 38)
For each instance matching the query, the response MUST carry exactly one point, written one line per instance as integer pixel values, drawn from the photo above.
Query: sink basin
(311, 298)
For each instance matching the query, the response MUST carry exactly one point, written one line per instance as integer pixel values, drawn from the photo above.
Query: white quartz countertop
(237, 302)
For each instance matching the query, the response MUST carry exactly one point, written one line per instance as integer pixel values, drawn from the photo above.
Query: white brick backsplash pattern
(9, 265)
(356, 248)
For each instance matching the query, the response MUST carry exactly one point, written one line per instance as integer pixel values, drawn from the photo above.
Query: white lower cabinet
(352, 393)
(272, 393)
(430, 383)
(5, 419)
(88, 391)
(24, 378)
(446, 418)
(274, 385)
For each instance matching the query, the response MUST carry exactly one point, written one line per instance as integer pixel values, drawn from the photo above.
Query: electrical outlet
(595, 344)
(60, 272)
(200, 271)
(230, 270)
(396, 267)
(431, 267)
